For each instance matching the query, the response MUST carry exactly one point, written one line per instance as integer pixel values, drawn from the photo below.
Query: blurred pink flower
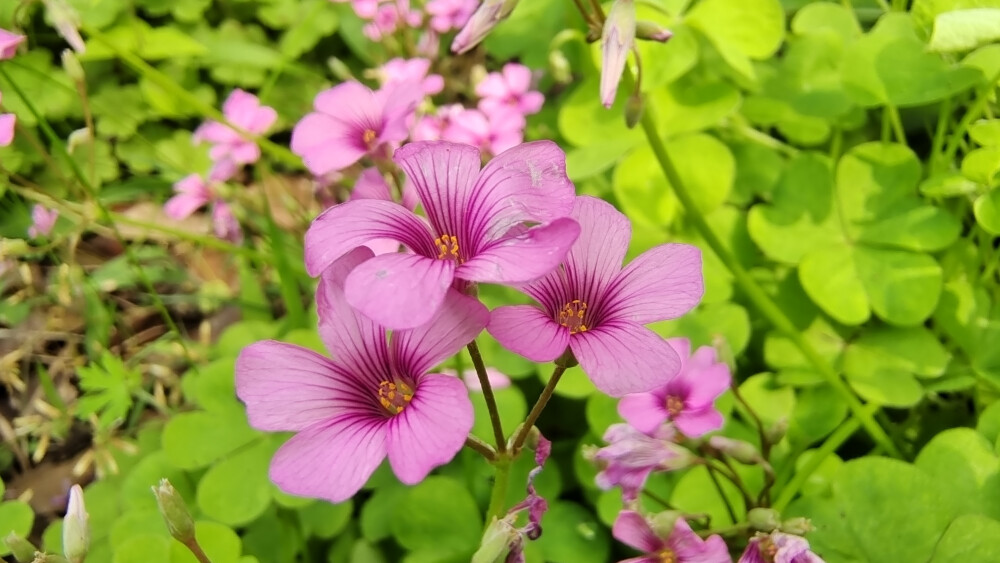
(364, 9)
(447, 15)
(432, 127)
(193, 193)
(245, 111)
(42, 221)
(9, 42)
(391, 16)
(398, 71)
(496, 378)
(778, 547)
(510, 88)
(376, 398)
(492, 132)
(683, 545)
(687, 400)
(7, 122)
(352, 121)
(631, 456)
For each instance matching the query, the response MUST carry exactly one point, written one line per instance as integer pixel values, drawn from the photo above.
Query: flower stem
(536, 410)
(480, 446)
(491, 401)
(499, 494)
(722, 493)
(765, 444)
(752, 289)
(198, 552)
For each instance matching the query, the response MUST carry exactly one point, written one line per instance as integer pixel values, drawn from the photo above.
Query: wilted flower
(472, 234)
(409, 71)
(778, 547)
(447, 15)
(510, 88)
(683, 545)
(617, 40)
(597, 308)
(687, 400)
(9, 42)
(482, 21)
(42, 221)
(352, 121)
(631, 456)
(245, 111)
(7, 123)
(376, 399)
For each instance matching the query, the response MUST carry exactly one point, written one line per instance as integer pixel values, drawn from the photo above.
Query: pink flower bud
(617, 40)
(483, 20)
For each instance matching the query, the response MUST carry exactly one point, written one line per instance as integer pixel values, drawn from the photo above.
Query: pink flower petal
(522, 258)
(662, 283)
(632, 529)
(696, 423)
(644, 411)
(688, 546)
(431, 429)
(457, 322)
(7, 122)
(287, 387)
(518, 77)
(595, 261)
(371, 185)
(399, 291)
(324, 144)
(528, 331)
(621, 358)
(346, 226)
(331, 460)
(708, 378)
(9, 43)
(443, 175)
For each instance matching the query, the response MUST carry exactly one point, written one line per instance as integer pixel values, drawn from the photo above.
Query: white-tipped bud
(175, 512)
(481, 23)
(76, 529)
(617, 39)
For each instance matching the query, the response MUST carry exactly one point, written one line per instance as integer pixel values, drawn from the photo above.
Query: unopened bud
(743, 452)
(634, 107)
(663, 522)
(652, 32)
(72, 66)
(79, 137)
(617, 39)
(481, 23)
(339, 69)
(559, 67)
(763, 519)
(76, 530)
(174, 512)
(48, 558)
(777, 431)
(497, 542)
(797, 526)
(21, 548)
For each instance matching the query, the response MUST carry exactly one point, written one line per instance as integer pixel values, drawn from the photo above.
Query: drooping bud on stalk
(22, 549)
(174, 512)
(743, 452)
(72, 66)
(634, 107)
(66, 20)
(483, 20)
(76, 530)
(652, 32)
(797, 526)
(763, 519)
(617, 40)
(559, 67)
(663, 522)
(777, 431)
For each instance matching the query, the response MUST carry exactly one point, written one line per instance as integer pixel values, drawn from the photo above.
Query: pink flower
(376, 399)
(243, 110)
(598, 309)
(497, 379)
(492, 133)
(9, 42)
(617, 40)
(352, 121)
(389, 17)
(472, 233)
(7, 123)
(510, 88)
(777, 547)
(193, 193)
(225, 223)
(631, 456)
(687, 400)
(42, 221)
(433, 127)
(372, 185)
(365, 9)
(447, 15)
(481, 23)
(683, 545)
(401, 71)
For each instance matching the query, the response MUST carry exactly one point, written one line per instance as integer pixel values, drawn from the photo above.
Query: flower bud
(617, 39)
(663, 522)
(21, 548)
(797, 526)
(777, 431)
(763, 519)
(77, 138)
(497, 542)
(174, 512)
(633, 109)
(652, 32)
(72, 66)
(743, 452)
(559, 67)
(76, 530)
(482, 21)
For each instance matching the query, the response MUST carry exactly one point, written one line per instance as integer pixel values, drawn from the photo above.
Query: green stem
(753, 291)
(197, 551)
(977, 107)
(897, 123)
(937, 145)
(722, 493)
(480, 446)
(834, 441)
(536, 410)
(499, 494)
(491, 401)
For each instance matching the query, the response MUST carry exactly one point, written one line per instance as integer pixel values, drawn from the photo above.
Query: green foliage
(108, 387)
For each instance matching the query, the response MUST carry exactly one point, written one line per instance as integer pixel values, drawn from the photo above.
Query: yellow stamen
(369, 137)
(667, 556)
(394, 396)
(447, 247)
(674, 405)
(572, 316)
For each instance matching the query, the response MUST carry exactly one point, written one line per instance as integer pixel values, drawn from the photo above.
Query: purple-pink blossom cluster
(384, 18)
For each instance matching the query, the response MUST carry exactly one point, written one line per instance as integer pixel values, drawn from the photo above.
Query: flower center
(768, 550)
(447, 247)
(674, 405)
(394, 396)
(369, 137)
(572, 316)
(666, 556)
